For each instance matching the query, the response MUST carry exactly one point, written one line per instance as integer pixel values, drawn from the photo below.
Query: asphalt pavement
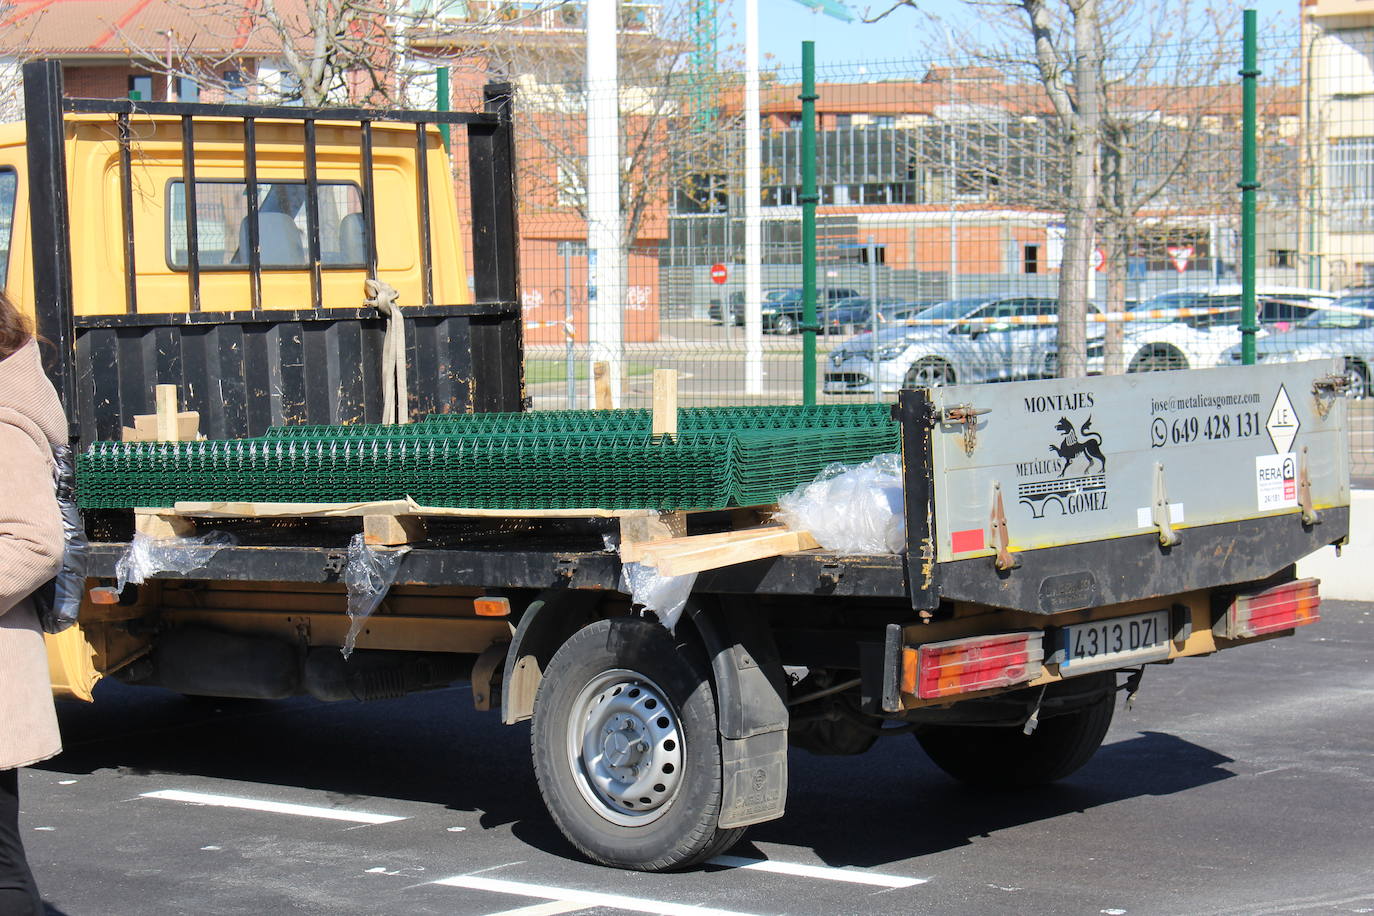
(1237, 784)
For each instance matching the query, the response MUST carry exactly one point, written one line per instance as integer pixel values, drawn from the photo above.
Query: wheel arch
(751, 708)
(544, 625)
(1363, 365)
(1162, 348)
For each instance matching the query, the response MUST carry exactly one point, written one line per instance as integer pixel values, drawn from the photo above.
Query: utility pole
(605, 305)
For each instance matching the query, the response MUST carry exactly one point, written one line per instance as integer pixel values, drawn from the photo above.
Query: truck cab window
(9, 183)
(222, 225)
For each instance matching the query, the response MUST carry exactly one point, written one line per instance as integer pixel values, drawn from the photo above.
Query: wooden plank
(636, 552)
(601, 385)
(383, 507)
(145, 427)
(650, 527)
(665, 402)
(290, 510)
(688, 555)
(389, 530)
(160, 524)
(165, 397)
(675, 521)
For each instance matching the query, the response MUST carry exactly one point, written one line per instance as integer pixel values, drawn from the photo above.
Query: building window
(1352, 184)
(794, 122)
(1031, 261)
(572, 192)
(884, 120)
(235, 89)
(1283, 257)
(843, 121)
(188, 90)
(141, 88)
(289, 89)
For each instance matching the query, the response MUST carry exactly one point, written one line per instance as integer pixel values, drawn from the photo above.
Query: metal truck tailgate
(1085, 461)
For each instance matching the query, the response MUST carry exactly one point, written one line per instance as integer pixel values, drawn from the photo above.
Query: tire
(785, 324)
(1357, 380)
(930, 372)
(626, 750)
(1005, 757)
(1158, 359)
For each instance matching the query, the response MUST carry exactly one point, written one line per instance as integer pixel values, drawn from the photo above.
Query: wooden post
(389, 530)
(165, 397)
(665, 402)
(601, 379)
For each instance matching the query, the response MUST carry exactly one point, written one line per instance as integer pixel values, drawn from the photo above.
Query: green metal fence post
(441, 79)
(809, 198)
(1249, 184)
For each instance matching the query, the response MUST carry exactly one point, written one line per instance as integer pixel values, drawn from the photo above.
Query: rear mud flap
(754, 773)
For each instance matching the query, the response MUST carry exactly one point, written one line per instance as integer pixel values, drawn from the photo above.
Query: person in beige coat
(31, 423)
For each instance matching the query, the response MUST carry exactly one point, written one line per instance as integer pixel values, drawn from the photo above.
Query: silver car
(1344, 329)
(1199, 341)
(962, 351)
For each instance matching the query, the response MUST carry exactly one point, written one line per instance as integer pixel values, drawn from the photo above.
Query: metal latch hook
(966, 415)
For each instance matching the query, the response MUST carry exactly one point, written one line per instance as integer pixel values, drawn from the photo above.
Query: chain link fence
(941, 224)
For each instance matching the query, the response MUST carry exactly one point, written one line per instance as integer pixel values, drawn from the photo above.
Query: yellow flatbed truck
(1061, 535)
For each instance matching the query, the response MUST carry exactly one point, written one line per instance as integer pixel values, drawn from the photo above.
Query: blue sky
(785, 24)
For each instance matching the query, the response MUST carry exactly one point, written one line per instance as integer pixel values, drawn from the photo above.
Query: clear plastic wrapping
(851, 509)
(368, 576)
(666, 596)
(58, 601)
(146, 557)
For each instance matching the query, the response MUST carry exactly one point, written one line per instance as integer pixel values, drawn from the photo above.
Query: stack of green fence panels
(720, 457)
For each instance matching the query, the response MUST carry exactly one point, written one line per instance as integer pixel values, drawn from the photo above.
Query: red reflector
(1273, 610)
(978, 663)
(963, 541)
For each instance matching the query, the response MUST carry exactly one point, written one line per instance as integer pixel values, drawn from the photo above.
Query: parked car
(784, 314)
(1183, 343)
(923, 355)
(856, 314)
(1345, 329)
(736, 306)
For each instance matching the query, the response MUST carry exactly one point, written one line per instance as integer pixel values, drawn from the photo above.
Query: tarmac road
(1239, 784)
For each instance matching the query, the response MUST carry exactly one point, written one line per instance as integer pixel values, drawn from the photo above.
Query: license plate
(1115, 643)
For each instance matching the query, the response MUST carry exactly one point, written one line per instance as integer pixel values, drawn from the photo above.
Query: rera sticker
(1276, 481)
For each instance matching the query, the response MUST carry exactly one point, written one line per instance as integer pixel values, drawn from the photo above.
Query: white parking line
(582, 898)
(817, 871)
(552, 908)
(253, 804)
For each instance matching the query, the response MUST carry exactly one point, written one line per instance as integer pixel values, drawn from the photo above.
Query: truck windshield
(222, 225)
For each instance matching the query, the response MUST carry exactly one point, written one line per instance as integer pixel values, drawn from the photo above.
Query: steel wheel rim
(927, 375)
(1356, 385)
(625, 751)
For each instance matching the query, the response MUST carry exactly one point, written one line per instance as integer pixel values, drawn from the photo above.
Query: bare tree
(314, 52)
(1126, 124)
(1060, 43)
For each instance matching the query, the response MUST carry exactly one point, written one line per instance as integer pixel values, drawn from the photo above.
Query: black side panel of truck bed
(246, 372)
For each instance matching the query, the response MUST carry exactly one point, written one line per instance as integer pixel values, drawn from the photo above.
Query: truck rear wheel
(1004, 756)
(626, 748)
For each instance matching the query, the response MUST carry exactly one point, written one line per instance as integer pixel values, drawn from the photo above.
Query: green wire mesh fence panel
(573, 459)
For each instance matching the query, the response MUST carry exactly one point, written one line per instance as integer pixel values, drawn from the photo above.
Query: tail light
(941, 669)
(1273, 610)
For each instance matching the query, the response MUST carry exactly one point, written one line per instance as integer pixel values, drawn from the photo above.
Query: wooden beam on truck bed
(680, 556)
(380, 507)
